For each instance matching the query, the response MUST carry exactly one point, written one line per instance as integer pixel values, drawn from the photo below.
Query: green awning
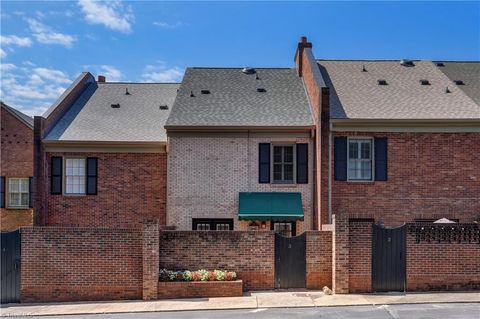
(274, 206)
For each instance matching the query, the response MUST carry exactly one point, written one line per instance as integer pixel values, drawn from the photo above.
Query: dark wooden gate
(10, 271)
(290, 263)
(389, 259)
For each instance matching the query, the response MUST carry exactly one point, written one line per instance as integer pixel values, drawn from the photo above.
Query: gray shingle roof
(356, 95)
(28, 120)
(469, 73)
(139, 118)
(234, 101)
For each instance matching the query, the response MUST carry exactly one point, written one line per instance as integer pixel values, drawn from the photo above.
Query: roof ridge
(240, 67)
(173, 83)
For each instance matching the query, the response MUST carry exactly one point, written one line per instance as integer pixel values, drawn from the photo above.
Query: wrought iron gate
(290, 263)
(10, 263)
(389, 258)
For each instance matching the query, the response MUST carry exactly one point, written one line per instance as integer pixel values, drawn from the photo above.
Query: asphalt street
(408, 311)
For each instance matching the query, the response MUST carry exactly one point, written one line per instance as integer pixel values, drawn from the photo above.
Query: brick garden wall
(249, 254)
(360, 256)
(68, 264)
(319, 259)
(131, 188)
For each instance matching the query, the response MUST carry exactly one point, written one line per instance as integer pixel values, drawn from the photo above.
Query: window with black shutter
(2, 191)
(92, 175)
(264, 163)
(340, 152)
(30, 192)
(381, 159)
(56, 175)
(302, 163)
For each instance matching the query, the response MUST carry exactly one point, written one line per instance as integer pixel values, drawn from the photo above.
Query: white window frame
(294, 175)
(372, 158)
(64, 186)
(9, 202)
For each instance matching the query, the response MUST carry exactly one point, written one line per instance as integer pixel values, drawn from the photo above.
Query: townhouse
(101, 154)
(16, 169)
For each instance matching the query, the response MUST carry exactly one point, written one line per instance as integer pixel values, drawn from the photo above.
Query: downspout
(314, 178)
(330, 138)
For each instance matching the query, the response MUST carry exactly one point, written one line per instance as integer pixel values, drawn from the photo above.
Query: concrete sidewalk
(284, 299)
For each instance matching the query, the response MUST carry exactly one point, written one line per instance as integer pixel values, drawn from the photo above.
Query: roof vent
(424, 82)
(164, 107)
(248, 70)
(459, 82)
(261, 90)
(115, 106)
(205, 91)
(439, 64)
(364, 69)
(382, 82)
(191, 94)
(406, 62)
(447, 90)
(257, 77)
(126, 92)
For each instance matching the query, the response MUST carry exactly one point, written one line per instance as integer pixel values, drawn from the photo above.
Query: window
(283, 164)
(360, 159)
(18, 195)
(212, 224)
(286, 229)
(75, 176)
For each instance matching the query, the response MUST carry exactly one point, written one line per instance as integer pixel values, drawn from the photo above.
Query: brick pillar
(340, 254)
(151, 255)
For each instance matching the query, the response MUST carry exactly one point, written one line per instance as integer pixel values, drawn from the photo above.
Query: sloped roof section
(270, 97)
(468, 72)
(27, 120)
(105, 113)
(356, 94)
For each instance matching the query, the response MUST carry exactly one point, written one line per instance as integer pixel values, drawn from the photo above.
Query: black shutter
(30, 192)
(92, 175)
(56, 175)
(381, 158)
(302, 163)
(340, 158)
(2, 191)
(264, 163)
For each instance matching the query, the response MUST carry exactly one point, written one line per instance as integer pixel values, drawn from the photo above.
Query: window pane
(366, 150)
(277, 154)
(223, 227)
(75, 176)
(24, 199)
(14, 186)
(14, 199)
(353, 150)
(288, 172)
(277, 172)
(288, 154)
(366, 170)
(203, 226)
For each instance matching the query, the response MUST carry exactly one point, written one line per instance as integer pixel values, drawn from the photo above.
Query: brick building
(239, 141)
(101, 154)
(16, 169)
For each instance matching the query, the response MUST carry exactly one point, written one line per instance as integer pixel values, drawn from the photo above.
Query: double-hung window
(283, 164)
(75, 176)
(360, 159)
(18, 193)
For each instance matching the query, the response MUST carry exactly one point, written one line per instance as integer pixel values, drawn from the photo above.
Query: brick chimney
(302, 44)
(101, 79)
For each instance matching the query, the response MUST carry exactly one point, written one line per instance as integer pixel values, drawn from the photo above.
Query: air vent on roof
(115, 106)
(257, 77)
(248, 70)
(191, 94)
(439, 64)
(382, 82)
(261, 90)
(205, 91)
(447, 90)
(163, 107)
(364, 69)
(405, 62)
(424, 82)
(459, 82)
(126, 91)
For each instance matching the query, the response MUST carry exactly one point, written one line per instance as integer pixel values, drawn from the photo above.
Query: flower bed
(198, 284)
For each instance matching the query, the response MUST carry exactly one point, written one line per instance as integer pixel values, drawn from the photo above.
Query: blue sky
(45, 45)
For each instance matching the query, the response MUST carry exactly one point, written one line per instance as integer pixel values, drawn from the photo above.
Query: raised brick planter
(199, 289)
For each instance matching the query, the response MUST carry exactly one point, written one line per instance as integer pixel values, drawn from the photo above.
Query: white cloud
(112, 14)
(111, 73)
(166, 25)
(161, 73)
(3, 54)
(14, 40)
(46, 35)
(31, 89)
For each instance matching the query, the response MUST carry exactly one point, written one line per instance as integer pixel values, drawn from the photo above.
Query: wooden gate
(389, 258)
(10, 263)
(290, 263)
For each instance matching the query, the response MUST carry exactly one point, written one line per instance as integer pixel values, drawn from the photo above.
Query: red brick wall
(430, 175)
(249, 254)
(16, 160)
(442, 266)
(199, 289)
(131, 189)
(319, 259)
(66, 264)
(360, 256)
